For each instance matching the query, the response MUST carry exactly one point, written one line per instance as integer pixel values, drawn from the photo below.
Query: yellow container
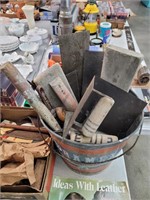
(91, 26)
(91, 9)
(79, 28)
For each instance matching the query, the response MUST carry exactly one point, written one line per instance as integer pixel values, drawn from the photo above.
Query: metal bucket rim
(105, 162)
(74, 162)
(96, 145)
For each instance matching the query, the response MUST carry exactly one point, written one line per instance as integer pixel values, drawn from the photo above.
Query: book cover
(87, 189)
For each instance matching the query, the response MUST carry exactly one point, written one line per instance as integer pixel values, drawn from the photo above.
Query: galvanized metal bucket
(92, 158)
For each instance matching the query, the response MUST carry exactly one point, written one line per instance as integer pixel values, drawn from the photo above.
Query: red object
(54, 58)
(51, 62)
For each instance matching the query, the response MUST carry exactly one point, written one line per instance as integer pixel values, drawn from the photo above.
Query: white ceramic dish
(38, 31)
(16, 29)
(31, 38)
(14, 20)
(116, 32)
(28, 58)
(8, 43)
(13, 57)
(25, 21)
(24, 69)
(8, 40)
(8, 48)
(30, 47)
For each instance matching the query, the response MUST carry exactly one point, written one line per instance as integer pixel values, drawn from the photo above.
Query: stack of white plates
(38, 31)
(8, 43)
(31, 38)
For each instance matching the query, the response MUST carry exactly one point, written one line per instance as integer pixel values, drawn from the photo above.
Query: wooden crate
(116, 23)
(19, 13)
(9, 15)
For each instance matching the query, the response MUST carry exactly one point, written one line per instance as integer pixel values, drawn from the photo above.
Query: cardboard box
(116, 23)
(25, 192)
(16, 113)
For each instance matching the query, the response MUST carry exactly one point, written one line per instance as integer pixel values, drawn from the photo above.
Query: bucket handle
(109, 160)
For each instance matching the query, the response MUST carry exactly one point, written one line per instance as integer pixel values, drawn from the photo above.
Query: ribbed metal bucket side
(91, 158)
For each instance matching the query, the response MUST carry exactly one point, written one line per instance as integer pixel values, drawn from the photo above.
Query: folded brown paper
(12, 173)
(21, 166)
(21, 161)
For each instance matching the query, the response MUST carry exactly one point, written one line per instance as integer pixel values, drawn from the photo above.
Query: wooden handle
(97, 116)
(25, 128)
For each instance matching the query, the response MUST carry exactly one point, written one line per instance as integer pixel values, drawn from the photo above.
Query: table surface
(119, 41)
(41, 56)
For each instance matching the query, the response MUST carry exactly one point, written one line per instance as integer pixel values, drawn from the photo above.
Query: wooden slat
(39, 170)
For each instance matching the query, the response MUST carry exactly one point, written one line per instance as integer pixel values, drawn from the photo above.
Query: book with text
(87, 189)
